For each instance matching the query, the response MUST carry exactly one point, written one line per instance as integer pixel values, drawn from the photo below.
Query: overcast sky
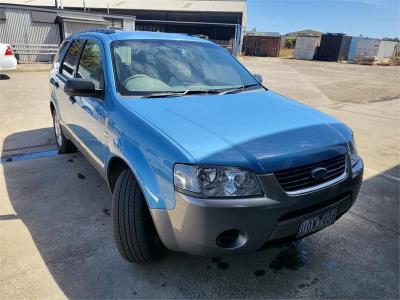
(372, 18)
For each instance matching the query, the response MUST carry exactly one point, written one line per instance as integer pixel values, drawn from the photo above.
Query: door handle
(72, 99)
(53, 82)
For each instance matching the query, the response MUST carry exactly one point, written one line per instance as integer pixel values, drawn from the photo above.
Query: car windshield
(144, 67)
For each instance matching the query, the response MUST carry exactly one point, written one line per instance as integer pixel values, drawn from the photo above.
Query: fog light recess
(231, 239)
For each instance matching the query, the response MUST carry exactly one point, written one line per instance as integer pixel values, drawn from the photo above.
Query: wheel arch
(115, 166)
(143, 171)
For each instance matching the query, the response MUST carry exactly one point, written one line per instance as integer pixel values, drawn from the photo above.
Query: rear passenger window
(90, 66)
(59, 53)
(68, 66)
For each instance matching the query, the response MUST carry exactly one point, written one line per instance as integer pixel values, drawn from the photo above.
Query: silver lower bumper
(194, 225)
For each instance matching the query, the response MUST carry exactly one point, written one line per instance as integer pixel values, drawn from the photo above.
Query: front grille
(300, 178)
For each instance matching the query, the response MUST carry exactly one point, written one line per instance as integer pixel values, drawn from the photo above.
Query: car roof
(138, 35)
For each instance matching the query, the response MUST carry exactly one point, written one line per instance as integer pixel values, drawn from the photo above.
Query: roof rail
(104, 30)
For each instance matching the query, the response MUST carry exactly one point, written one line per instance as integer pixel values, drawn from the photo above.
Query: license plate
(318, 222)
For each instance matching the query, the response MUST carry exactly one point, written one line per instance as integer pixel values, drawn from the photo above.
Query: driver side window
(90, 66)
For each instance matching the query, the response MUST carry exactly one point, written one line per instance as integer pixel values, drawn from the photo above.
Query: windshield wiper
(178, 94)
(240, 89)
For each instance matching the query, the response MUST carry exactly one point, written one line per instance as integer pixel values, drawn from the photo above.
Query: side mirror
(258, 77)
(81, 87)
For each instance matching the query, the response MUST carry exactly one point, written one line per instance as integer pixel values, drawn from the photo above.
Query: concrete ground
(55, 226)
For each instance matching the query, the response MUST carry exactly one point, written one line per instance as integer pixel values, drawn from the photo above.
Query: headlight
(213, 181)
(353, 151)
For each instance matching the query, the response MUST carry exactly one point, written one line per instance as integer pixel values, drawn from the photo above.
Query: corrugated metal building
(261, 44)
(40, 28)
(306, 47)
(222, 21)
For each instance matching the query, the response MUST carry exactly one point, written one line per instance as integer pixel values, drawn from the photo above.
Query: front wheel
(63, 145)
(134, 232)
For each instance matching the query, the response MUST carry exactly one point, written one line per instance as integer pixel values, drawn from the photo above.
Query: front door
(88, 114)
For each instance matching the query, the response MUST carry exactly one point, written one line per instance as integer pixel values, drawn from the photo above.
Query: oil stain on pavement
(259, 273)
(220, 264)
(290, 258)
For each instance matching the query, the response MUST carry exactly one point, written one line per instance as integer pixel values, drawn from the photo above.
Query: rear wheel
(134, 232)
(63, 145)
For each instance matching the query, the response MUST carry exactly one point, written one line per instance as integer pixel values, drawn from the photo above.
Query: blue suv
(199, 156)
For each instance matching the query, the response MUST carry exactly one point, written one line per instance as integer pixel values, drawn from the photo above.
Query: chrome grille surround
(298, 180)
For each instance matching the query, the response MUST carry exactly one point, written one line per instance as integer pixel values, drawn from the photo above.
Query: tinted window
(90, 64)
(143, 66)
(68, 65)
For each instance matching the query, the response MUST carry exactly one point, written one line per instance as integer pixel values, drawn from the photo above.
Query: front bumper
(194, 225)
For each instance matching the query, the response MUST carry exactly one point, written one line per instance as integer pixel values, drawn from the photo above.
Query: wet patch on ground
(291, 258)
(28, 156)
(259, 273)
(220, 264)
(306, 285)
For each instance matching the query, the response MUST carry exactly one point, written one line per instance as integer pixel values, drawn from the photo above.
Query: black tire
(134, 232)
(63, 144)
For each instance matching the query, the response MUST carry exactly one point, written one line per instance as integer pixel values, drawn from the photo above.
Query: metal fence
(34, 52)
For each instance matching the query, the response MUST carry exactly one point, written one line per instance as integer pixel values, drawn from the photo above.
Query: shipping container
(353, 49)
(306, 47)
(362, 47)
(330, 47)
(344, 48)
(386, 50)
(261, 45)
(367, 47)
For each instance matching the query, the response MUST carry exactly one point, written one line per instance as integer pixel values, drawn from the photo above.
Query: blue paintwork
(259, 130)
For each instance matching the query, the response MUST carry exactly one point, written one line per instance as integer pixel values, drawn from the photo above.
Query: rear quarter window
(69, 63)
(59, 54)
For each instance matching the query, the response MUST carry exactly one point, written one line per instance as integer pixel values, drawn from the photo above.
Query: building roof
(256, 33)
(163, 5)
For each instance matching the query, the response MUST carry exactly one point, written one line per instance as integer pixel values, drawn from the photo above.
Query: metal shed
(24, 27)
(306, 47)
(329, 48)
(261, 44)
(35, 33)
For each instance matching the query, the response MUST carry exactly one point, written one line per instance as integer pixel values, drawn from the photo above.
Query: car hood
(260, 129)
